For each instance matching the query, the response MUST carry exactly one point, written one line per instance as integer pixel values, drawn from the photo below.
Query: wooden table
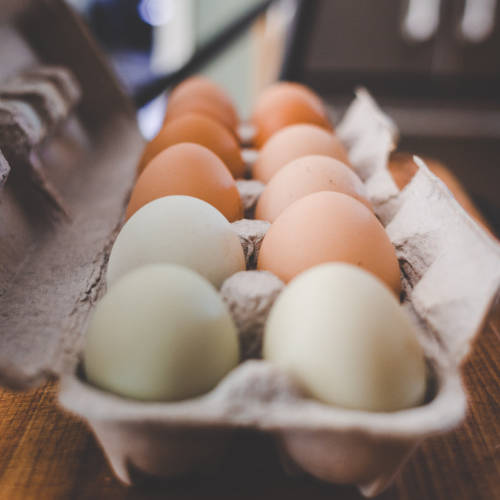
(46, 454)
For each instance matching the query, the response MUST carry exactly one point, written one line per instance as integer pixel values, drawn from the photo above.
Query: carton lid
(68, 181)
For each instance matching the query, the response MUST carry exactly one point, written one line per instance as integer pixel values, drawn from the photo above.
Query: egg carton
(450, 271)
(62, 204)
(69, 146)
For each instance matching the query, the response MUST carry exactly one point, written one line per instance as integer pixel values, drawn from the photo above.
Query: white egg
(162, 333)
(178, 230)
(343, 335)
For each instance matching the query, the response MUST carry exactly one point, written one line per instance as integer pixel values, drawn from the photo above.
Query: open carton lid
(63, 200)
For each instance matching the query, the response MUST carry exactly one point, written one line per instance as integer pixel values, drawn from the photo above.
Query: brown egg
(328, 227)
(201, 95)
(190, 170)
(294, 142)
(284, 104)
(198, 129)
(307, 175)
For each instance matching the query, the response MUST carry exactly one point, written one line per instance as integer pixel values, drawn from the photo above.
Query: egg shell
(328, 227)
(201, 95)
(178, 230)
(198, 129)
(294, 142)
(284, 104)
(202, 106)
(307, 175)
(190, 170)
(161, 333)
(341, 332)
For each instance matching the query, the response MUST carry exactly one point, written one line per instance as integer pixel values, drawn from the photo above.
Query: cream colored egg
(179, 230)
(342, 334)
(162, 333)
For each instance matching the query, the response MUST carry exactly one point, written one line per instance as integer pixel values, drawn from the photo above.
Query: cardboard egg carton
(450, 272)
(69, 146)
(60, 221)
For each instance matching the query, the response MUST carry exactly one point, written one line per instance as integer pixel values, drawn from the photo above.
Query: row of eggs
(163, 333)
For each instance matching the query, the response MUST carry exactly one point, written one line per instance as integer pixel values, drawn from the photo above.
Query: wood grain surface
(46, 454)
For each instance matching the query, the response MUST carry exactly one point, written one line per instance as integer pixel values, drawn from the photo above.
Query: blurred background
(433, 65)
(149, 39)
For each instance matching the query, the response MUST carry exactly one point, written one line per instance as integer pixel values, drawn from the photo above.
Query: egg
(161, 333)
(199, 94)
(178, 230)
(294, 142)
(198, 129)
(328, 227)
(284, 104)
(307, 175)
(344, 337)
(190, 170)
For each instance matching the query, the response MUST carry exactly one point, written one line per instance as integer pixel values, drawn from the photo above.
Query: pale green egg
(178, 230)
(161, 333)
